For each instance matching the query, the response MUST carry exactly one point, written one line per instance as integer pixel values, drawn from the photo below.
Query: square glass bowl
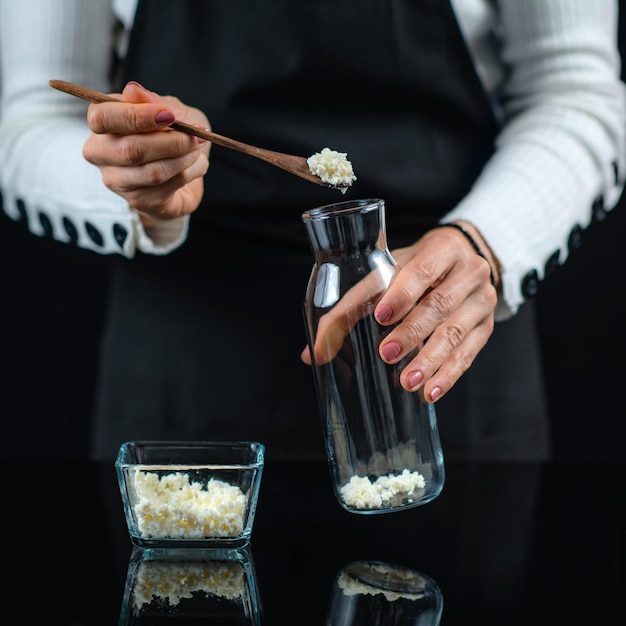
(186, 494)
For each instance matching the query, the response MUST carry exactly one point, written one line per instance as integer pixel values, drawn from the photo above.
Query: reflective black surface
(506, 544)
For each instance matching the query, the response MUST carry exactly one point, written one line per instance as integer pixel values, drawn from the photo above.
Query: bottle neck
(352, 228)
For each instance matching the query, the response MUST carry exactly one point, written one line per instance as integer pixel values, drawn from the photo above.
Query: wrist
(480, 245)
(485, 247)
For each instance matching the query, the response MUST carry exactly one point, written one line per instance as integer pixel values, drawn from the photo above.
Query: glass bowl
(185, 494)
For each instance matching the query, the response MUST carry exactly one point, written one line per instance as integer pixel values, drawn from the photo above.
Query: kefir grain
(173, 506)
(361, 493)
(333, 168)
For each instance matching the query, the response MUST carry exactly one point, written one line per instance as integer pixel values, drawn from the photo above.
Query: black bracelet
(476, 247)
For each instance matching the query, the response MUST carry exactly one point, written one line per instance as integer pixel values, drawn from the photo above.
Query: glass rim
(346, 206)
(257, 448)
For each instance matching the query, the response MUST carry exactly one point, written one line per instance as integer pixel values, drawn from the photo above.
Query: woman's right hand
(157, 170)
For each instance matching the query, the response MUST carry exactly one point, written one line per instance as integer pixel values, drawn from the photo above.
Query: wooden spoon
(293, 164)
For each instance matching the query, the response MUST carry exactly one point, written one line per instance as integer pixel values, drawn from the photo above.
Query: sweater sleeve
(44, 179)
(560, 156)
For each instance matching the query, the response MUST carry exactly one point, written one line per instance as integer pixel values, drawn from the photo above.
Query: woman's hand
(442, 298)
(454, 314)
(159, 171)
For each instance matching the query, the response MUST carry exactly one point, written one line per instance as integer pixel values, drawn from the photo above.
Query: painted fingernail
(414, 379)
(390, 351)
(383, 313)
(435, 393)
(165, 118)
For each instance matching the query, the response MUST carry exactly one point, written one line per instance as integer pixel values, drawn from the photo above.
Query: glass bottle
(382, 441)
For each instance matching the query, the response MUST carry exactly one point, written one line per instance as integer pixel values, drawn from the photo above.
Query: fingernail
(134, 82)
(383, 313)
(414, 379)
(435, 393)
(390, 351)
(165, 118)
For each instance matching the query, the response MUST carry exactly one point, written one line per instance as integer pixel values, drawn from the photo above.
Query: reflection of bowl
(373, 592)
(190, 494)
(185, 584)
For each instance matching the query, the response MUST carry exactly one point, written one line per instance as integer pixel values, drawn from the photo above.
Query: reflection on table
(503, 544)
(183, 585)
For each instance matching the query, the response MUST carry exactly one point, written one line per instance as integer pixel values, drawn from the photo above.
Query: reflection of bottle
(371, 592)
(186, 583)
(382, 441)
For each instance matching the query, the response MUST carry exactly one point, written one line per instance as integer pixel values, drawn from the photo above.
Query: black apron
(204, 343)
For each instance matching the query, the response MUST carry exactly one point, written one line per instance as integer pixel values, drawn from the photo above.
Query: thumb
(306, 356)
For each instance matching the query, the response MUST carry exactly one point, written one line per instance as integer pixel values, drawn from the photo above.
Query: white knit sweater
(562, 138)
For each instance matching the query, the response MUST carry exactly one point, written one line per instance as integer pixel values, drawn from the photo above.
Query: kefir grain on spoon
(333, 168)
